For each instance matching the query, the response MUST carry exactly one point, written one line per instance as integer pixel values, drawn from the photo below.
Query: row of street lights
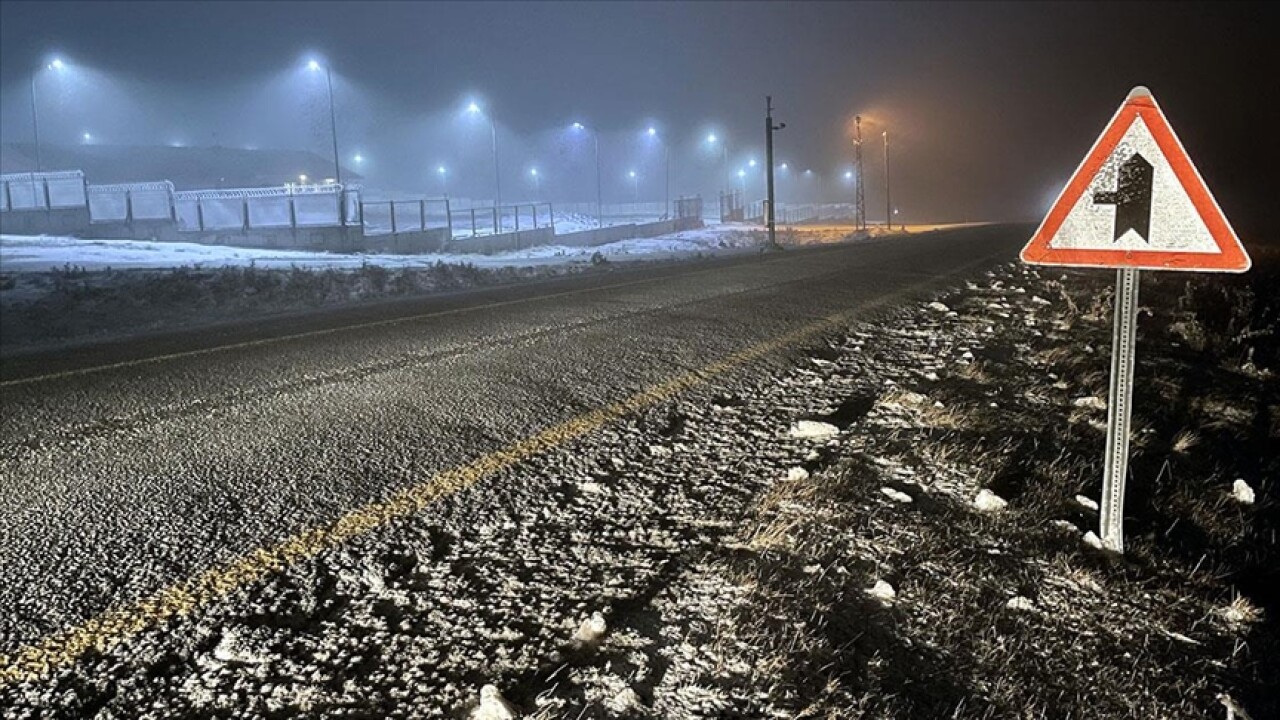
(474, 109)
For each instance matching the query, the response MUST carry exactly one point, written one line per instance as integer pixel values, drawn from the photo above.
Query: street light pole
(888, 202)
(595, 134)
(333, 127)
(35, 119)
(595, 137)
(666, 190)
(497, 176)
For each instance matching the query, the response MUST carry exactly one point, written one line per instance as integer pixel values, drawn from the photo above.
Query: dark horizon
(989, 106)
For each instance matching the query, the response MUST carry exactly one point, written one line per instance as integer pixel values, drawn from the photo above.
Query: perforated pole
(1119, 409)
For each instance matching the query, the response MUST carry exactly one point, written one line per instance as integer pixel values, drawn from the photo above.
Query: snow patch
(883, 592)
(493, 706)
(797, 474)
(896, 495)
(987, 501)
(1241, 492)
(1020, 603)
(813, 430)
(1087, 502)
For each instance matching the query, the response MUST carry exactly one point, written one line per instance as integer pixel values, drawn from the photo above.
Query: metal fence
(291, 206)
(616, 213)
(689, 207)
(732, 206)
(126, 202)
(479, 221)
(792, 214)
(62, 190)
(392, 217)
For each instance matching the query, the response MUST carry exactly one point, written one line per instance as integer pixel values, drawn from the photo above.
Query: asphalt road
(128, 467)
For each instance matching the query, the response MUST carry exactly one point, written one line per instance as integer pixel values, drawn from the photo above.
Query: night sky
(989, 107)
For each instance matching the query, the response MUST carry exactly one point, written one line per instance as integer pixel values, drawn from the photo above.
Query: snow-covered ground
(39, 253)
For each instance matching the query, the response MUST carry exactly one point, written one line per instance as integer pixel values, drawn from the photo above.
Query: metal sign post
(1136, 202)
(1119, 409)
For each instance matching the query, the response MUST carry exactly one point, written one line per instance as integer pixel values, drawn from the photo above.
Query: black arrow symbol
(1132, 198)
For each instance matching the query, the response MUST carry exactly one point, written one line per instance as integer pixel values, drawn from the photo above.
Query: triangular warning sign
(1137, 202)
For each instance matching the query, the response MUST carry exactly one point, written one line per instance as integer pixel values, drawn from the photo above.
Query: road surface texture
(373, 512)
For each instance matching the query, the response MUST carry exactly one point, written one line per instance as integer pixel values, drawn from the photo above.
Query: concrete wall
(615, 233)
(504, 242)
(70, 221)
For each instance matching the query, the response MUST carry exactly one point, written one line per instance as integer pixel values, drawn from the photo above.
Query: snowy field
(40, 253)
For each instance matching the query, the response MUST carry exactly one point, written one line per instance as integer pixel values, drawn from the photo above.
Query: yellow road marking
(106, 631)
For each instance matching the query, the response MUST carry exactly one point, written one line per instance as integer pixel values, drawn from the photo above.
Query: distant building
(188, 168)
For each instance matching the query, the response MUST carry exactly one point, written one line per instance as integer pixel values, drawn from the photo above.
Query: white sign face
(1174, 224)
(1137, 202)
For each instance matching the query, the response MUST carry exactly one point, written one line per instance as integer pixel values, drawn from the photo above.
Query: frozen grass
(1007, 613)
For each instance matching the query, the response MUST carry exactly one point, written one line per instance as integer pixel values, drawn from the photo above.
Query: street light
(314, 66)
(358, 158)
(533, 173)
(595, 135)
(712, 139)
(473, 108)
(57, 65)
(635, 186)
(444, 179)
(652, 132)
(87, 137)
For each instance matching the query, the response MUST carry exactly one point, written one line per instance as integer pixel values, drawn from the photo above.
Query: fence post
(551, 217)
(200, 213)
(393, 217)
(244, 215)
(422, 215)
(128, 209)
(44, 183)
(448, 217)
(497, 229)
(517, 218)
(473, 222)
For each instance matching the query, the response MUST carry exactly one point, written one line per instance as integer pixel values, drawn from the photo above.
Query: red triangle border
(1233, 257)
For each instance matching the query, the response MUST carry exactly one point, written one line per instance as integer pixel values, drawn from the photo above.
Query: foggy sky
(989, 107)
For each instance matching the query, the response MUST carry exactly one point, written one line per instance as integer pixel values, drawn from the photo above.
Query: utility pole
(333, 126)
(497, 176)
(35, 120)
(666, 192)
(888, 202)
(859, 194)
(595, 134)
(769, 127)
